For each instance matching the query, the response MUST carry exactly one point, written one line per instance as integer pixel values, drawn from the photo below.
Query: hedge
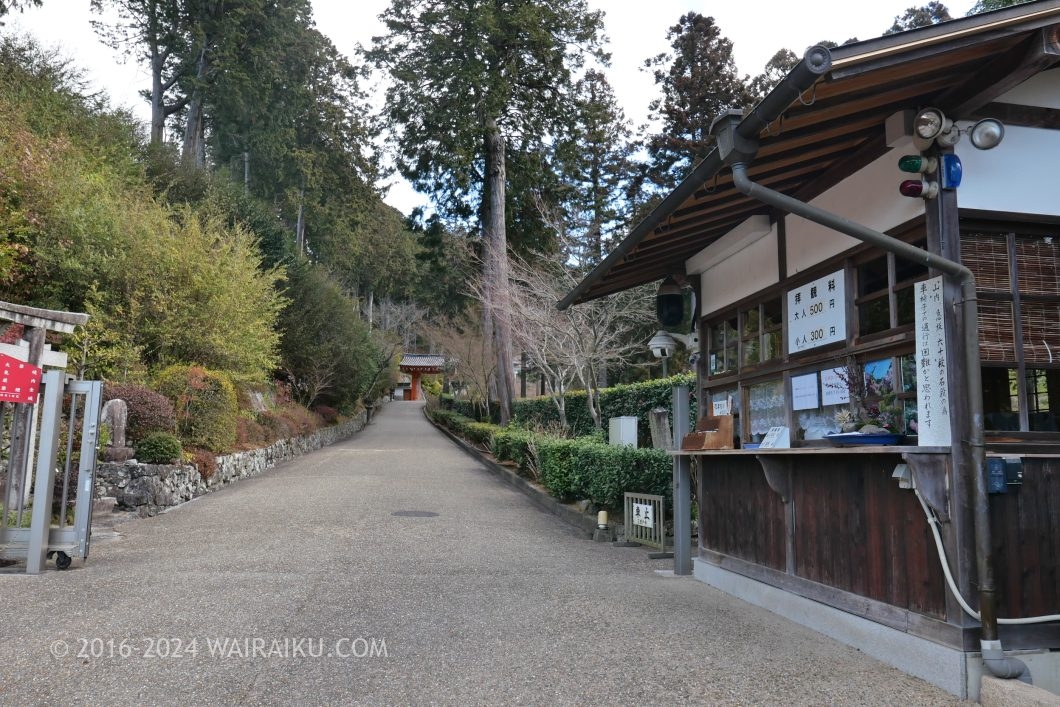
(571, 469)
(635, 399)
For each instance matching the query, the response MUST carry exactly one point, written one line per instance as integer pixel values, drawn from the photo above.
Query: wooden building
(796, 292)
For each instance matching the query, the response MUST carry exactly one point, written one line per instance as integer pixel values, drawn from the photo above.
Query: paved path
(492, 601)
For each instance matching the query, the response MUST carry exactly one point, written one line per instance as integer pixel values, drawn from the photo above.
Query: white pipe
(933, 521)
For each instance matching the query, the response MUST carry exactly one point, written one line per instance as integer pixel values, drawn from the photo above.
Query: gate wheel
(62, 560)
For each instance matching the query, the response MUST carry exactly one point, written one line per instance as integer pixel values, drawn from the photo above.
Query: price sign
(817, 313)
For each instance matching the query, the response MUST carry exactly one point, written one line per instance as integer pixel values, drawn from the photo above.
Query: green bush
(556, 467)
(158, 448)
(206, 406)
(514, 444)
(573, 469)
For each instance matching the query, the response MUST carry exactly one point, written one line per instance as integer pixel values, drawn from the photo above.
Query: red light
(917, 187)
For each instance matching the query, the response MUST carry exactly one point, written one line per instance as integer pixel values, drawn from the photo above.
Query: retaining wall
(152, 488)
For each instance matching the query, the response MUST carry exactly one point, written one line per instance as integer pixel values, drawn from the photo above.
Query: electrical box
(622, 431)
(1002, 472)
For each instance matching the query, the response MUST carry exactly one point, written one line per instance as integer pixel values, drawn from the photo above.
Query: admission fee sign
(817, 313)
(19, 381)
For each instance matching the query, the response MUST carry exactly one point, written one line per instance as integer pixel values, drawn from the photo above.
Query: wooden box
(712, 432)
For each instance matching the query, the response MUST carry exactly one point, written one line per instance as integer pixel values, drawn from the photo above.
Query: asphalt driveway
(393, 569)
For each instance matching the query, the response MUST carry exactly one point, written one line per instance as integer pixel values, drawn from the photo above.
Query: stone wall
(152, 488)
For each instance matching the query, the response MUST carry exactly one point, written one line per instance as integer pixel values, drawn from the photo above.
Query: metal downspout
(996, 662)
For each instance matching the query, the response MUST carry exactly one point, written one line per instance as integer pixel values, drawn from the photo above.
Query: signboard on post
(932, 367)
(19, 381)
(817, 313)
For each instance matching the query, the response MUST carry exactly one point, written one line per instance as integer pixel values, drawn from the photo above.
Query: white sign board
(776, 438)
(817, 313)
(804, 392)
(643, 515)
(834, 388)
(932, 367)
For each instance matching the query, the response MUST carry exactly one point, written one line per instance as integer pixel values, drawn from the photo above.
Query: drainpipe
(739, 149)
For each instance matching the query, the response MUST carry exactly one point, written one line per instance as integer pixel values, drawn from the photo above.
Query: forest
(244, 230)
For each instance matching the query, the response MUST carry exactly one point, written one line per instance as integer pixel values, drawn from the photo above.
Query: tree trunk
(497, 255)
(299, 226)
(158, 113)
(194, 150)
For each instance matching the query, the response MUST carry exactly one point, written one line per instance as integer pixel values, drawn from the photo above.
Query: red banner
(19, 381)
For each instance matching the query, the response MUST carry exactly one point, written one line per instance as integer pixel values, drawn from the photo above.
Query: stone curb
(584, 524)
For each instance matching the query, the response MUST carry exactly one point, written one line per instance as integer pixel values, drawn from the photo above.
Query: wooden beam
(1039, 52)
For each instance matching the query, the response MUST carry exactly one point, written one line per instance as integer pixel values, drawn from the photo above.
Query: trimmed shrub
(158, 448)
(573, 469)
(513, 444)
(149, 411)
(556, 467)
(205, 403)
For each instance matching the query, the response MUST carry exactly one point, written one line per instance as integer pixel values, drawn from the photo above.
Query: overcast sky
(636, 30)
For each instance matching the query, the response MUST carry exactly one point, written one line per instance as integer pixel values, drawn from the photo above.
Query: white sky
(636, 30)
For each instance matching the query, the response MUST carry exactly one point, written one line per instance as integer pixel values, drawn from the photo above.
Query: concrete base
(603, 535)
(1013, 693)
(954, 671)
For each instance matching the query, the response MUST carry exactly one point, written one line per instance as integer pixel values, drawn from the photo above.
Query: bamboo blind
(1039, 270)
(987, 256)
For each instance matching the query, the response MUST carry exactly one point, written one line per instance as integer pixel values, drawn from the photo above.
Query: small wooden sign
(19, 381)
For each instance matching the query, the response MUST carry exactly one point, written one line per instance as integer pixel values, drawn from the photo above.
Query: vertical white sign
(932, 367)
(817, 313)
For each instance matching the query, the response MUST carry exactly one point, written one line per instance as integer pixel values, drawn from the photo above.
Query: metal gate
(49, 512)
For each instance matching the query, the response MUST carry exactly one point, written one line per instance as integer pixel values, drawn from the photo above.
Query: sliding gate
(47, 469)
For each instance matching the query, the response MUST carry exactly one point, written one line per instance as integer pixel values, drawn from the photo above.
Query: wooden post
(22, 429)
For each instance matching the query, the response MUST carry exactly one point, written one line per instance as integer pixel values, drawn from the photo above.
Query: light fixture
(917, 163)
(919, 188)
(987, 133)
(951, 171)
(929, 123)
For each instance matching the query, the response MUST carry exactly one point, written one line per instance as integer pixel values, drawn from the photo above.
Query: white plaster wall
(742, 274)
(869, 197)
(1039, 90)
(1019, 175)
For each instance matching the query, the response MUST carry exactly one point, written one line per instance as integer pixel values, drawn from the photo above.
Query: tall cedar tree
(467, 79)
(594, 161)
(155, 32)
(698, 80)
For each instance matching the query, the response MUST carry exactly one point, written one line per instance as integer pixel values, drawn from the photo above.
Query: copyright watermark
(219, 648)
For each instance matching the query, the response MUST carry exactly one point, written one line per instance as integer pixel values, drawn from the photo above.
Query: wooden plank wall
(740, 515)
(1026, 523)
(857, 531)
(854, 528)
